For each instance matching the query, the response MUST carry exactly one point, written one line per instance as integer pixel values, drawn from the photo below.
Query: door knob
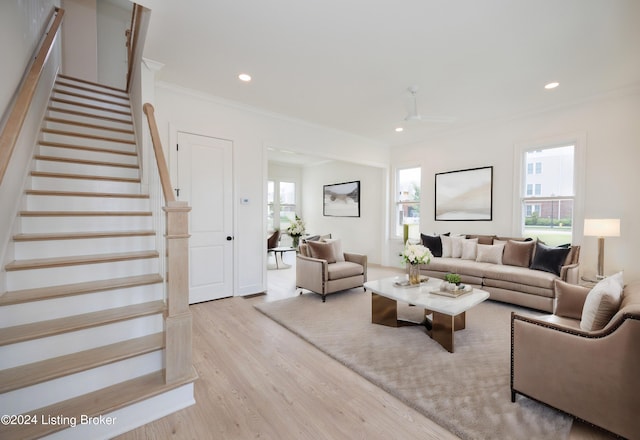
(229, 238)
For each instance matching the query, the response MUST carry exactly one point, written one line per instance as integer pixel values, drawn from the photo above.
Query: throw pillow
(337, 247)
(322, 251)
(548, 259)
(456, 246)
(446, 246)
(603, 301)
(490, 253)
(483, 239)
(434, 243)
(518, 253)
(469, 249)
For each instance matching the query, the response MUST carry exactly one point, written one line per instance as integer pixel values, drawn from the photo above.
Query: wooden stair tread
(44, 293)
(90, 90)
(87, 125)
(40, 263)
(52, 327)
(94, 107)
(88, 115)
(100, 402)
(84, 176)
(53, 368)
(45, 192)
(86, 148)
(86, 162)
(81, 235)
(85, 213)
(95, 84)
(90, 98)
(88, 136)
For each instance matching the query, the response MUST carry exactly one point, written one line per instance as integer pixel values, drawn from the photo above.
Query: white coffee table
(449, 314)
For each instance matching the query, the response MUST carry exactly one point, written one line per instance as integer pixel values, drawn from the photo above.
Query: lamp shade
(602, 227)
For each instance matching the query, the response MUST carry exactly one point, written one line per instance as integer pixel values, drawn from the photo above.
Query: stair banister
(178, 349)
(16, 118)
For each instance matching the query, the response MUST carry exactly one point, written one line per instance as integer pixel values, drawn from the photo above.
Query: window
(281, 199)
(548, 200)
(407, 202)
(529, 168)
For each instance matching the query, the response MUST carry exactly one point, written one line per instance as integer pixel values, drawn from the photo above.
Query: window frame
(579, 141)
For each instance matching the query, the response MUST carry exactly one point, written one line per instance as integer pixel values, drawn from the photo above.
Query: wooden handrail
(18, 114)
(163, 170)
(133, 35)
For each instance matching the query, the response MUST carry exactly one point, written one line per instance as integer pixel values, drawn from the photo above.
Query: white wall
(251, 132)
(112, 23)
(610, 126)
(364, 234)
(80, 39)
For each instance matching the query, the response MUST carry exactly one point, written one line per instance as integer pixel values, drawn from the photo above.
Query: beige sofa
(591, 374)
(323, 268)
(512, 270)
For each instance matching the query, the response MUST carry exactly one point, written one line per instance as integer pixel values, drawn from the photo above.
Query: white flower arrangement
(296, 229)
(416, 254)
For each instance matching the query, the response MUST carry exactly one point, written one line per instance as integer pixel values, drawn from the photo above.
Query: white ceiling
(346, 64)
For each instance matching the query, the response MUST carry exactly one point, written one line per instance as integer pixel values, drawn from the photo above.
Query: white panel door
(205, 182)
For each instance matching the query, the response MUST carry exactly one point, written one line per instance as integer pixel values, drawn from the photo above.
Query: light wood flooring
(258, 380)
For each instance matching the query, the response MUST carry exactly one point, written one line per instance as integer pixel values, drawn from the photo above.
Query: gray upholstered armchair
(323, 268)
(592, 374)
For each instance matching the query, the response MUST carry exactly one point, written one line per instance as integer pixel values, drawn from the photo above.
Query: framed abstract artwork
(464, 195)
(341, 199)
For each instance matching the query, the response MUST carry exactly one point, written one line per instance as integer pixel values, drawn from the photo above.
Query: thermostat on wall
(244, 201)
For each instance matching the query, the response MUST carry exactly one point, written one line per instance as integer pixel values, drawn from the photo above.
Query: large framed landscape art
(464, 195)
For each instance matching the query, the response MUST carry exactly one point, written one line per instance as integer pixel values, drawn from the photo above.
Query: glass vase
(414, 273)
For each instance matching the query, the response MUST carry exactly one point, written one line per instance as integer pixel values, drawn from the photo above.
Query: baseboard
(131, 417)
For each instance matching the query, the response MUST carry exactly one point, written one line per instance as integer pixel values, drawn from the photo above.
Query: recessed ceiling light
(244, 77)
(552, 85)
(399, 129)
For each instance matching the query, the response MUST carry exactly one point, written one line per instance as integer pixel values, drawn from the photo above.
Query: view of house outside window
(548, 194)
(408, 202)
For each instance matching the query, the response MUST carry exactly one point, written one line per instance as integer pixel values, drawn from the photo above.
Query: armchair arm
(570, 299)
(311, 273)
(570, 273)
(591, 375)
(359, 259)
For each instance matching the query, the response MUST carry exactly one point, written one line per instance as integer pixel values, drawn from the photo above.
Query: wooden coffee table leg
(444, 327)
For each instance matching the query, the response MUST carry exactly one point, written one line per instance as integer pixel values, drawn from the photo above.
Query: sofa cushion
(344, 269)
(457, 265)
(602, 303)
(518, 253)
(490, 253)
(549, 259)
(322, 251)
(520, 275)
(433, 242)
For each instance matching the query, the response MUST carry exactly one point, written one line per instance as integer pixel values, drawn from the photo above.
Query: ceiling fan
(413, 114)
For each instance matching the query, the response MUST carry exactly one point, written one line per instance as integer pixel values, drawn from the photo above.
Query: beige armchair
(323, 268)
(591, 375)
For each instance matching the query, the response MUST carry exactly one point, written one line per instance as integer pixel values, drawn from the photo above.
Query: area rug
(467, 392)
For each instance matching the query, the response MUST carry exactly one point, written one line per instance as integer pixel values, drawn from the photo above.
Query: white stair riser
(34, 225)
(52, 166)
(27, 250)
(26, 313)
(125, 125)
(86, 185)
(55, 276)
(41, 349)
(47, 393)
(111, 105)
(95, 131)
(96, 112)
(93, 93)
(73, 153)
(82, 203)
(87, 142)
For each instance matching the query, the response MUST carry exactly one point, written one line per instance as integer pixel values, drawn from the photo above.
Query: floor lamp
(601, 227)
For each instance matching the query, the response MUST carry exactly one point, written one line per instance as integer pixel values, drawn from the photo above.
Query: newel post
(178, 348)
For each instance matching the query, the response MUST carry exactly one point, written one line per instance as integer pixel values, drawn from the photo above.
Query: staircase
(82, 320)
